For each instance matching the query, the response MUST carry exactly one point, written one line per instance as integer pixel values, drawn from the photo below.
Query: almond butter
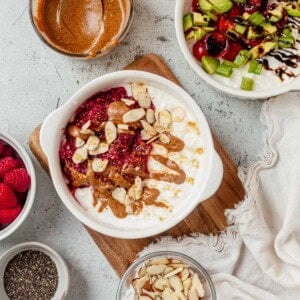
(110, 132)
(133, 115)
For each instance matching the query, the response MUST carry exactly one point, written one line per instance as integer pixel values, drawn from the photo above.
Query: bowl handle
(215, 178)
(48, 133)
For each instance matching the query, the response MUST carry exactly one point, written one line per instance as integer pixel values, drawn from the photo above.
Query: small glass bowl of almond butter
(166, 275)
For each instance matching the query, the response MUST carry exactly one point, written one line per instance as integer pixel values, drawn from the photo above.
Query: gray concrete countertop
(35, 80)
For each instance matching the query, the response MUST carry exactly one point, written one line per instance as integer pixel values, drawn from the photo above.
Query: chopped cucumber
(212, 16)
(256, 18)
(224, 70)
(242, 57)
(210, 64)
(269, 28)
(255, 67)
(247, 84)
(200, 20)
(286, 42)
(229, 64)
(187, 22)
(262, 49)
(276, 13)
(240, 28)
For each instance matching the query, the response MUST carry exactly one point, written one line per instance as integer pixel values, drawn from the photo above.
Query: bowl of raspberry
(17, 185)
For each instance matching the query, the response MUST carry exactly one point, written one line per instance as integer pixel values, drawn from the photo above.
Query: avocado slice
(200, 20)
(221, 6)
(209, 64)
(212, 16)
(254, 33)
(275, 14)
(205, 5)
(187, 22)
(293, 10)
(262, 49)
(269, 28)
(199, 33)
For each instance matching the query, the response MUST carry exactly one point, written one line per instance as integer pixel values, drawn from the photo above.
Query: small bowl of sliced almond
(166, 275)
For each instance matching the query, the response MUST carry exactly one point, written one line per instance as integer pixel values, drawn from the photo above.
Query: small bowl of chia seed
(33, 271)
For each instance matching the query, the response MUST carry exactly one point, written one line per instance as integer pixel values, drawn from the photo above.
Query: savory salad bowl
(208, 176)
(182, 8)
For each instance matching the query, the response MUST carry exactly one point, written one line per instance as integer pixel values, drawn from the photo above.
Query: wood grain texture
(207, 218)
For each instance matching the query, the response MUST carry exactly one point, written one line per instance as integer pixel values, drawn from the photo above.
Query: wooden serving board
(207, 218)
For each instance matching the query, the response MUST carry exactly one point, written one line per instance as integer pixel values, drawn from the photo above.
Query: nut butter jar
(83, 29)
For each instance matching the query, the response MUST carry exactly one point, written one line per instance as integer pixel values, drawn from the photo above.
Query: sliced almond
(164, 138)
(143, 297)
(129, 210)
(161, 283)
(85, 128)
(181, 296)
(159, 128)
(150, 129)
(193, 294)
(119, 194)
(92, 142)
(99, 165)
(175, 261)
(168, 270)
(164, 119)
(131, 192)
(102, 148)
(123, 126)
(184, 274)
(133, 115)
(138, 284)
(145, 135)
(176, 283)
(138, 187)
(197, 285)
(150, 116)
(140, 93)
(80, 155)
(128, 102)
(167, 294)
(110, 132)
(178, 114)
(152, 139)
(156, 269)
(79, 142)
(174, 272)
(187, 284)
(178, 265)
(142, 271)
(148, 293)
(159, 261)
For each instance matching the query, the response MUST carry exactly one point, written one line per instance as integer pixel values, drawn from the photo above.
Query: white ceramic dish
(31, 193)
(62, 269)
(207, 181)
(183, 7)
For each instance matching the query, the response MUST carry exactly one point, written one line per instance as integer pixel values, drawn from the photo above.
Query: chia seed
(31, 275)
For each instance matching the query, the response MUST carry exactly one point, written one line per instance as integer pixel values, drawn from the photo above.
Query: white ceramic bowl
(62, 269)
(210, 173)
(183, 7)
(31, 193)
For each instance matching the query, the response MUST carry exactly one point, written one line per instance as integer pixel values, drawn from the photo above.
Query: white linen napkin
(258, 256)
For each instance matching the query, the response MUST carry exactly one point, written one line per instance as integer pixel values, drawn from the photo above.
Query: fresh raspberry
(20, 162)
(7, 164)
(7, 216)
(7, 197)
(1, 148)
(18, 180)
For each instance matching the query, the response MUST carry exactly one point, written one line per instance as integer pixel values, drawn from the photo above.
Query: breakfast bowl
(112, 175)
(56, 261)
(24, 199)
(82, 29)
(256, 77)
(175, 271)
